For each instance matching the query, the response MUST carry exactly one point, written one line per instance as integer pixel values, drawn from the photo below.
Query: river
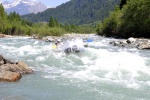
(100, 72)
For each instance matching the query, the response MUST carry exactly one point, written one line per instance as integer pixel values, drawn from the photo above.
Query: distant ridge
(24, 6)
(76, 12)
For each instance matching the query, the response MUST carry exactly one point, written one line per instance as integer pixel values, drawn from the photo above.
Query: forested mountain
(76, 12)
(131, 20)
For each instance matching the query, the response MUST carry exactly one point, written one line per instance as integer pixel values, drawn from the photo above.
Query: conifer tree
(51, 22)
(3, 18)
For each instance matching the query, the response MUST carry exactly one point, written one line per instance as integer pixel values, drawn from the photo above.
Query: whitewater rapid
(100, 72)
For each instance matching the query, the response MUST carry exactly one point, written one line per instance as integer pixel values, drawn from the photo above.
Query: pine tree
(52, 22)
(3, 18)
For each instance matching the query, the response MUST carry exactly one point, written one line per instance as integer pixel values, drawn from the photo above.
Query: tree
(2, 12)
(13, 16)
(51, 22)
(136, 18)
(123, 2)
(109, 26)
(3, 18)
(132, 20)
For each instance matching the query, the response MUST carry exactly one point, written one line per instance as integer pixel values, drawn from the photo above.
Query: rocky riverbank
(11, 71)
(63, 37)
(5, 36)
(140, 43)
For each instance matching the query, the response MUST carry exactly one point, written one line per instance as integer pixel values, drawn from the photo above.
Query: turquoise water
(101, 72)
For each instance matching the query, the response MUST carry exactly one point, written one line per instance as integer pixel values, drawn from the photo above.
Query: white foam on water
(85, 75)
(122, 66)
(96, 44)
(26, 49)
(41, 58)
(36, 42)
(86, 60)
(99, 65)
(10, 48)
(118, 67)
(78, 42)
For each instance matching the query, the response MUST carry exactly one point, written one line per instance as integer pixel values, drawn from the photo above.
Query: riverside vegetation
(131, 19)
(13, 24)
(84, 13)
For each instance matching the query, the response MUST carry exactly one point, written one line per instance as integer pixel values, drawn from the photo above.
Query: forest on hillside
(59, 20)
(76, 12)
(13, 24)
(131, 19)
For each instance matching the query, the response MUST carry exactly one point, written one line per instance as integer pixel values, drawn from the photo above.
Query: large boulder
(131, 40)
(5, 61)
(20, 67)
(1, 57)
(144, 45)
(9, 76)
(24, 68)
(1, 60)
(10, 71)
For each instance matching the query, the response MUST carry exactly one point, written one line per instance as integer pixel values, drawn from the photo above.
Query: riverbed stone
(6, 61)
(123, 42)
(1, 35)
(131, 40)
(11, 71)
(117, 43)
(24, 68)
(144, 45)
(9, 76)
(5, 36)
(20, 67)
(1, 57)
(1, 62)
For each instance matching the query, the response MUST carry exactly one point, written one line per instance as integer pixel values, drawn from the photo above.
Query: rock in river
(10, 71)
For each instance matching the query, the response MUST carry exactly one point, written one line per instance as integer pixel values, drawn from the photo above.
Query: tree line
(131, 19)
(13, 24)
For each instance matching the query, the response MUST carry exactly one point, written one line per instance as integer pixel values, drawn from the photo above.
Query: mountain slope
(76, 11)
(24, 7)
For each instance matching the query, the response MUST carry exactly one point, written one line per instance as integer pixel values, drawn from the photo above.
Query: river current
(100, 72)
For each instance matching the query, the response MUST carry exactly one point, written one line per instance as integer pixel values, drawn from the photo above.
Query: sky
(49, 3)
